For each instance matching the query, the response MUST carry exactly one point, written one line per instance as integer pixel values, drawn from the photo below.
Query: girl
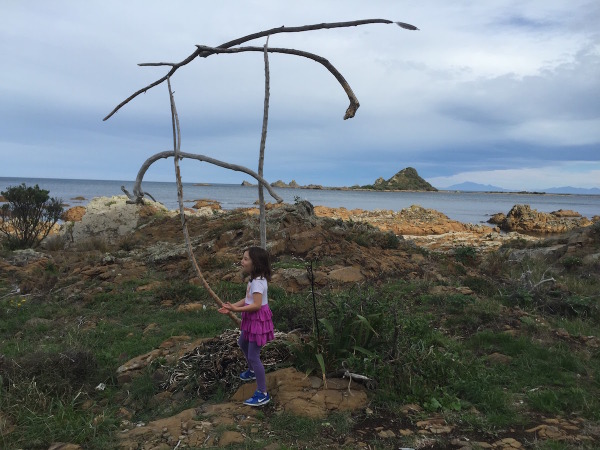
(257, 325)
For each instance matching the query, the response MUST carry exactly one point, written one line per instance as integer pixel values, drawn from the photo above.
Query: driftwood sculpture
(203, 51)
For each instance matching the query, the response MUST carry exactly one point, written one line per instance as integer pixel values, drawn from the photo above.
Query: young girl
(257, 325)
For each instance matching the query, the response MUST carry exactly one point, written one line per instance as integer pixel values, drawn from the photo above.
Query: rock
(21, 258)
(499, 358)
(565, 213)
(411, 408)
(412, 221)
(497, 219)
(247, 183)
(507, 443)
(109, 218)
(206, 203)
(74, 214)
(279, 184)
(191, 307)
(63, 446)
(230, 437)
(292, 391)
(346, 275)
(523, 219)
(386, 434)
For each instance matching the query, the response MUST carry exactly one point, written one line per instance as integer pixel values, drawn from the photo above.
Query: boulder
(207, 203)
(308, 396)
(109, 218)
(522, 218)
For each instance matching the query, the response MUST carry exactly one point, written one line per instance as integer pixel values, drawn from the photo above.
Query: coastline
(472, 207)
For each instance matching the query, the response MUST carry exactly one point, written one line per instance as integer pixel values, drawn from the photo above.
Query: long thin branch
(137, 188)
(186, 235)
(261, 157)
(283, 29)
(354, 104)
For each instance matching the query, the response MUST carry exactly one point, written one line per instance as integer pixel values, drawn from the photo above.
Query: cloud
(497, 88)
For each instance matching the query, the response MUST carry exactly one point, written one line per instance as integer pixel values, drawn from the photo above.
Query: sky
(501, 92)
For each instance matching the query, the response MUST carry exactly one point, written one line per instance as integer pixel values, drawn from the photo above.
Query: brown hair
(261, 264)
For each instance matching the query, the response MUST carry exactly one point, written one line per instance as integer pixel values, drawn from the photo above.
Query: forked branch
(203, 53)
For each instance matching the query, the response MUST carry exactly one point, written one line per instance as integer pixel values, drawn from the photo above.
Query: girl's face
(246, 263)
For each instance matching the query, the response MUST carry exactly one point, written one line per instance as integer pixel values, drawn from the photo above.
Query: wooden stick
(186, 235)
(261, 157)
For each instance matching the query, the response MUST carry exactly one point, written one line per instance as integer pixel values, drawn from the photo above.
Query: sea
(463, 206)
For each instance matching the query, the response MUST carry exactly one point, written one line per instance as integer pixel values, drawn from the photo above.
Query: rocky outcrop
(109, 218)
(207, 203)
(523, 219)
(74, 214)
(406, 180)
(414, 221)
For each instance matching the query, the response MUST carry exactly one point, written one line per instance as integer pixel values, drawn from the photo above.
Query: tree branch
(354, 104)
(261, 157)
(138, 193)
(272, 31)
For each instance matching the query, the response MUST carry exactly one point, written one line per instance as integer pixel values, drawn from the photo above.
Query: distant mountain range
(476, 187)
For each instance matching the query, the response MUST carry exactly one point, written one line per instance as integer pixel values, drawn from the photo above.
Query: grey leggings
(252, 353)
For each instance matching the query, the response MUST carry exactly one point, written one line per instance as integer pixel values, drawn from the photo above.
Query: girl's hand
(226, 308)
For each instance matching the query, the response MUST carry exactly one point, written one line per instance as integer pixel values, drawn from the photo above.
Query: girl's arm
(242, 302)
(232, 306)
(254, 306)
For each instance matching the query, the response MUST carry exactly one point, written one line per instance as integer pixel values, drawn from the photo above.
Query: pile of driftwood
(216, 364)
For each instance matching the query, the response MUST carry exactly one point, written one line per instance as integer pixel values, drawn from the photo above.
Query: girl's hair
(261, 264)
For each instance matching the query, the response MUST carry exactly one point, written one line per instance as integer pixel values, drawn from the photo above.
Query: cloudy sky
(496, 92)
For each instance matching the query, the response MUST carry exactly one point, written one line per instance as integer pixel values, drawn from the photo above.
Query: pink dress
(257, 326)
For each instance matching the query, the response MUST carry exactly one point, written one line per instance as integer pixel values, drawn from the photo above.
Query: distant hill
(469, 186)
(475, 187)
(406, 180)
(573, 190)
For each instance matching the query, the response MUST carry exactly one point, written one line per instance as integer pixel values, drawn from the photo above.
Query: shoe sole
(257, 404)
(247, 379)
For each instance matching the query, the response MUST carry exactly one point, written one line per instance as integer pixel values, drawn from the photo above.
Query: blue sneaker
(258, 399)
(248, 375)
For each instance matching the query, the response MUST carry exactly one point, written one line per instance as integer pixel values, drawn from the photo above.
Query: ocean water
(466, 207)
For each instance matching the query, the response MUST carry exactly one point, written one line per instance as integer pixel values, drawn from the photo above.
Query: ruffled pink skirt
(258, 325)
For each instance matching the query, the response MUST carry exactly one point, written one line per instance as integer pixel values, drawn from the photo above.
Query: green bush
(28, 216)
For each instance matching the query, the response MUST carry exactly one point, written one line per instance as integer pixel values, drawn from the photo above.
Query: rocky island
(405, 180)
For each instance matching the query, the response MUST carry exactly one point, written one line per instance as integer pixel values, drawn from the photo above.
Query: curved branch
(354, 104)
(137, 188)
(283, 29)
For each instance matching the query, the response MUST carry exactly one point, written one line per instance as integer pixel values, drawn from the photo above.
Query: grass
(432, 347)
(108, 329)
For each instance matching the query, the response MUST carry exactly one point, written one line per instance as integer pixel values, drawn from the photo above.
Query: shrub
(571, 262)
(28, 216)
(465, 254)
